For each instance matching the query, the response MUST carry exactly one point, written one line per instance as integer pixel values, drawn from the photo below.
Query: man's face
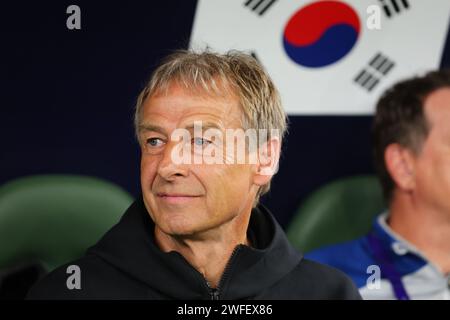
(432, 164)
(187, 199)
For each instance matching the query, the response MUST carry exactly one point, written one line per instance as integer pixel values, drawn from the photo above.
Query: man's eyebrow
(152, 127)
(205, 126)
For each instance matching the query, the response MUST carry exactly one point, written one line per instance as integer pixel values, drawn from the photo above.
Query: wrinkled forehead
(214, 89)
(180, 103)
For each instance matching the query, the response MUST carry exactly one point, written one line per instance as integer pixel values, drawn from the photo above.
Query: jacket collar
(130, 247)
(404, 255)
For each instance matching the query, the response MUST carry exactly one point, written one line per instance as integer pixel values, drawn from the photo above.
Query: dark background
(67, 98)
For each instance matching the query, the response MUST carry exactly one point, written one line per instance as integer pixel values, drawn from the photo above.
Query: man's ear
(400, 165)
(268, 158)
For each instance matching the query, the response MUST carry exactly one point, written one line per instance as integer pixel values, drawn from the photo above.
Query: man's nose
(169, 169)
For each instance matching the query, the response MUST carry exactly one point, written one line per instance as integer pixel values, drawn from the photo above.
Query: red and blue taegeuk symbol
(321, 33)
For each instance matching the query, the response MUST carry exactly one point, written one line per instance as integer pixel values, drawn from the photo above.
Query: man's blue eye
(200, 141)
(154, 142)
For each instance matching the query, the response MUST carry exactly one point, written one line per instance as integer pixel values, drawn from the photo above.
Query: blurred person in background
(410, 242)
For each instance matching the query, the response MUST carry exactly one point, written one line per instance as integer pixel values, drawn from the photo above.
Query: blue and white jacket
(385, 266)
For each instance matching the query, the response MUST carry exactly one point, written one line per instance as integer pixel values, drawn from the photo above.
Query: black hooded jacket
(127, 264)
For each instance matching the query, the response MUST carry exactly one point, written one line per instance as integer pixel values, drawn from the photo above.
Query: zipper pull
(214, 294)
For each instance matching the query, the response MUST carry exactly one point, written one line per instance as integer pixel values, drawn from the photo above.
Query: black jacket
(126, 264)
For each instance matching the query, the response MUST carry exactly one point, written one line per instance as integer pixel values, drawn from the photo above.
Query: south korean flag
(328, 57)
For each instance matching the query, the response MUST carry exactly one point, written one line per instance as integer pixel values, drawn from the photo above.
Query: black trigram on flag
(378, 67)
(391, 7)
(381, 64)
(259, 6)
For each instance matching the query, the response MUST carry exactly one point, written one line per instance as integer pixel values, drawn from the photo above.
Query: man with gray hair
(210, 128)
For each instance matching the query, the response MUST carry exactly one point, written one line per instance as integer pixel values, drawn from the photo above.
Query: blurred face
(432, 164)
(188, 198)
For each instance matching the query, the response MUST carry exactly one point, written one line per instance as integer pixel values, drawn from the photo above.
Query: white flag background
(410, 41)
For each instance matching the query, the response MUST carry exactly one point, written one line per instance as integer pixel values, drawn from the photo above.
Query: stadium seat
(339, 211)
(53, 219)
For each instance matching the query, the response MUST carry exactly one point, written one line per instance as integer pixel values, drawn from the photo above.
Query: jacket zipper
(215, 292)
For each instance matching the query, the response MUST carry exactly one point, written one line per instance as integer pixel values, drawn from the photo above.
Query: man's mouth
(176, 197)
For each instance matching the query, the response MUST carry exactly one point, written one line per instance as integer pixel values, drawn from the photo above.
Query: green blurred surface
(53, 219)
(339, 211)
